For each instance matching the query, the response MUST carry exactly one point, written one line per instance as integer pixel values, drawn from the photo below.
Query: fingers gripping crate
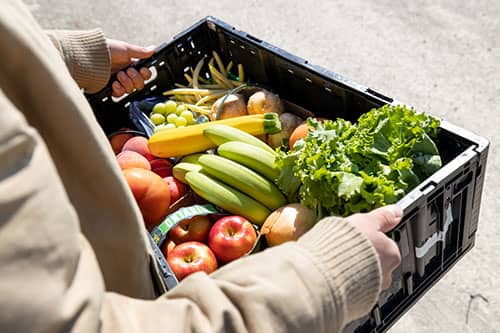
(440, 215)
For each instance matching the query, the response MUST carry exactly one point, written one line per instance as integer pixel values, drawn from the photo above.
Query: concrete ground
(441, 56)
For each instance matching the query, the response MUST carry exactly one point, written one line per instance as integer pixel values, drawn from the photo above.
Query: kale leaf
(342, 168)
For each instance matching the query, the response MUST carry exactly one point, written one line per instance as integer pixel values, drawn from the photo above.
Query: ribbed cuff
(86, 55)
(349, 263)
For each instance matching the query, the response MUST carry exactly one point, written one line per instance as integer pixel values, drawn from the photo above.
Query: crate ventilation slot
(379, 95)
(440, 236)
(118, 99)
(255, 39)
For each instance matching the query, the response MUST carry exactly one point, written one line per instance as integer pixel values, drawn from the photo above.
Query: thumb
(140, 52)
(387, 217)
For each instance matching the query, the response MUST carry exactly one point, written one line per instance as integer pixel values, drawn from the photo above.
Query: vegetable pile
(215, 175)
(341, 168)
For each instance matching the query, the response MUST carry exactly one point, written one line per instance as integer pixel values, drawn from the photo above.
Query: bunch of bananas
(239, 178)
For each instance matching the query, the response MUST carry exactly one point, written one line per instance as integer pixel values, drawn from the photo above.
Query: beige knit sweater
(73, 251)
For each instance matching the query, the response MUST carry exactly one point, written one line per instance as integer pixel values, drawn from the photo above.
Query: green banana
(220, 134)
(226, 197)
(180, 169)
(243, 179)
(255, 158)
(192, 158)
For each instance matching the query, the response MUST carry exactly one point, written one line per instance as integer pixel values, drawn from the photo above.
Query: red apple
(177, 189)
(191, 257)
(231, 237)
(161, 167)
(193, 229)
(167, 247)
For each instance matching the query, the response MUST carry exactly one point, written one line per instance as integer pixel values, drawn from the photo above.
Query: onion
(287, 223)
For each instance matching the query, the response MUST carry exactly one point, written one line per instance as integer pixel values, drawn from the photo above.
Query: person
(74, 253)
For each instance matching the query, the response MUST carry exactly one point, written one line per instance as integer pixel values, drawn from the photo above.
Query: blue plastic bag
(139, 110)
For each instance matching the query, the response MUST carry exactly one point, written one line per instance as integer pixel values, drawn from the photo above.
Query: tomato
(300, 132)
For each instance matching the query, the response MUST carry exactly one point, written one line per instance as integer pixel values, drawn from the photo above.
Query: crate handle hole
(154, 75)
(118, 99)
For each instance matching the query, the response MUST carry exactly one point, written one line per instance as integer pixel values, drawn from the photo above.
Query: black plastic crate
(440, 215)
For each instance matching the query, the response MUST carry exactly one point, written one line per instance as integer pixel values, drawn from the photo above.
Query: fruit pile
(213, 144)
(150, 178)
(239, 177)
(198, 244)
(222, 163)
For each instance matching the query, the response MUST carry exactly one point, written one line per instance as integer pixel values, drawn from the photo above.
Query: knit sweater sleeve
(86, 55)
(349, 264)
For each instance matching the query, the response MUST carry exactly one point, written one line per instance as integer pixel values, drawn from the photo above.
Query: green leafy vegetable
(342, 168)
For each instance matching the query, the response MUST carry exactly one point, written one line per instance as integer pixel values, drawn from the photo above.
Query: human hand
(374, 225)
(123, 54)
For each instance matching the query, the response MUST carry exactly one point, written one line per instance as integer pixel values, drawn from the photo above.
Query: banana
(180, 169)
(220, 134)
(226, 197)
(255, 158)
(243, 179)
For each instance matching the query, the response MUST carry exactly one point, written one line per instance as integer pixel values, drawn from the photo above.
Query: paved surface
(441, 56)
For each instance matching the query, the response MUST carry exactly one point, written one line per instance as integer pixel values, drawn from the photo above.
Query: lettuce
(342, 168)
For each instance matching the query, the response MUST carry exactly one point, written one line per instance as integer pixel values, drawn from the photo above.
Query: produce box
(440, 214)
